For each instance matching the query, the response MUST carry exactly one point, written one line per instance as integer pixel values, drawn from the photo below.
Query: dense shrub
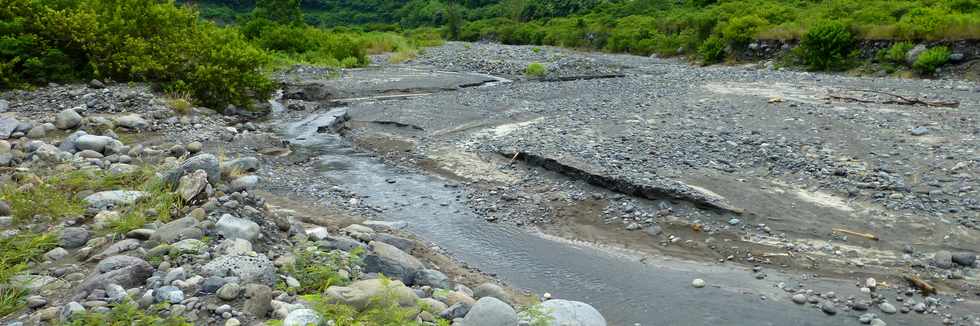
(826, 46)
(931, 59)
(712, 50)
(739, 31)
(128, 40)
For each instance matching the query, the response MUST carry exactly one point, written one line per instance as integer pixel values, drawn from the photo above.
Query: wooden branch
(926, 288)
(859, 234)
(902, 100)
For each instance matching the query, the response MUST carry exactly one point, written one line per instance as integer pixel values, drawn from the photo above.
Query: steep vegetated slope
(831, 32)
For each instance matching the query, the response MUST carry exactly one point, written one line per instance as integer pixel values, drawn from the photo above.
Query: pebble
(698, 283)
(828, 308)
(887, 308)
(799, 298)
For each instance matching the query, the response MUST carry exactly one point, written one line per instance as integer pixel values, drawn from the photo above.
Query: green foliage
(383, 310)
(712, 50)
(317, 270)
(127, 314)
(15, 253)
(896, 53)
(536, 69)
(739, 31)
(128, 40)
(931, 59)
(281, 11)
(43, 199)
(826, 46)
(537, 315)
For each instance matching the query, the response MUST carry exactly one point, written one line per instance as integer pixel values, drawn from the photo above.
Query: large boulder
(207, 162)
(248, 269)
(385, 258)
(68, 144)
(361, 294)
(572, 313)
(232, 227)
(491, 312)
(126, 271)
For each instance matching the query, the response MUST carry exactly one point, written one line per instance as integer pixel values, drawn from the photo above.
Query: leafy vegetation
(15, 254)
(896, 53)
(383, 310)
(317, 270)
(536, 69)
(712, 50)
(826, 46)
(930, 60)
(127, 314)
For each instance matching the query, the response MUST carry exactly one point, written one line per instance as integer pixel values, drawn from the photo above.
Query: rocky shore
(151, 219)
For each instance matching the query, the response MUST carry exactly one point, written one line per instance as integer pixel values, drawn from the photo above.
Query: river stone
(132, 121)
(67, 119)
(457, 310)
(258, 269)
(799, 298)
(92, 142)
(240, 165)
(126, 271)
(302, 317)
(4, 106)
(56, 254)
(943, 259)
(361, 294)
(183, 228)
(433, 278)
(229, 291)
(5, 208)
(432, 305)
(73, 237)
(7, 127)
(71, 311)
(38, 131)
(190, 246)
(192, 184)
(572, 313)
(385, 258)
(207, 162)
(259, 300)
(913, 54)
(887, 308)
(68, 144)
(115, 293)
(491, 290)
(243, 183)
(964, 258)
(168, 294)
(490, 311)
(232, 227)
(114, 198)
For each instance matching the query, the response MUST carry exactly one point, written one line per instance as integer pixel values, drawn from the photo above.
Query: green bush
(128, 40)
(712, 50)
(740, 31)
(931, 59)
(536, 69)
(827, 46)
(895, 53)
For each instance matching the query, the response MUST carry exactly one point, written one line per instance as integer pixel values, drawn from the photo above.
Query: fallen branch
(512, 159)
(858, 234)
(902, 100)
(926, 288)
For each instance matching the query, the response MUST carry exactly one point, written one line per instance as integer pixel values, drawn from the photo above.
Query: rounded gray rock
(490, 311)
(573, 313)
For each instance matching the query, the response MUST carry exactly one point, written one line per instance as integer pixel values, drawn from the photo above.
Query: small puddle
(626, 289)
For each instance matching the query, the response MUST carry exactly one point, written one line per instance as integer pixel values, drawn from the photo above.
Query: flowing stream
(625, 289)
